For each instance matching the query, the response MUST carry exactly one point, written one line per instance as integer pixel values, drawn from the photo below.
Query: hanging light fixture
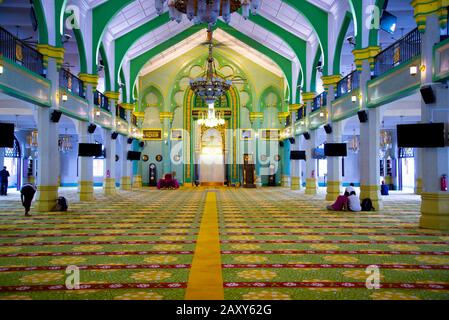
(354, 144)
(65, 143)
(206, 11)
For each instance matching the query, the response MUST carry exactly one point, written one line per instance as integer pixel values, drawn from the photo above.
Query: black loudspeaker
(292, 140)
(281, 144)
(55, 116)
(130, 140)
(141, 144)
(91, 128)
(306, 135)
(427, 94)
(117, 158)
(363, 116)
(114, 135)
(328, 128)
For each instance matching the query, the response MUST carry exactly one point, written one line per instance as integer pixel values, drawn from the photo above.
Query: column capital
(127, 106)
(283, 115)
(308, 96)
(112, 95)
(295, 107)
(330, 80)
(49, 51)
(166, 115)
(256, 116)
(89, 79)
(425, 8)
(368, 53)
(139, 115)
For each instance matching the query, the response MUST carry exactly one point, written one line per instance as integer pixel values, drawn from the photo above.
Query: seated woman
(354, 202)
(340, 204)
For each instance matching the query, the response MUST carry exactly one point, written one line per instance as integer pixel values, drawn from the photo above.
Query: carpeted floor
(275, 244)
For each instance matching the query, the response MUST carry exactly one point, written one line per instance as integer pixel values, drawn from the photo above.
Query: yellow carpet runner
(205, 279)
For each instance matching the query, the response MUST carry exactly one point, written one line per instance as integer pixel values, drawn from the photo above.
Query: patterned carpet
(275, 244)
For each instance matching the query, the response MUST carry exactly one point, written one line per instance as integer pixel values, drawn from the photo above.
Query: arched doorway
(212, 158)
(12, 161)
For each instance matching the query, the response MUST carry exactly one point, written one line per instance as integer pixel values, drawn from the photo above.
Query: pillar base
(109, 186)
(137, 183)
(125, 183)
(296, 183)
(418, 186)
(86, 190)
(372, 192)
(434, 211)
(46, 198)
(333, 190)
(286, 182)
(311, 186)
(258, 182)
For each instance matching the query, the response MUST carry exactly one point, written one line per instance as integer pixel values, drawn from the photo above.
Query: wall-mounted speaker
(117, 158)
(130, 140)
(91, 128)
(114, 135)
(281, 144)
(363, 116)
(306, 135)
(427, 94)
(292, 140)
(141, 144)
(328, 128)
(55, 116)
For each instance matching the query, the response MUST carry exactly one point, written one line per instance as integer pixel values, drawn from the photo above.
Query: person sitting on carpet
(350, 188)
(340, 204)
(354, 202)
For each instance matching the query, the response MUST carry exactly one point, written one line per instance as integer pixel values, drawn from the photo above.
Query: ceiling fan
(29, 40)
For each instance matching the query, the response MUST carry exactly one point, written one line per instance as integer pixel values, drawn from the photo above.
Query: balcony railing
(301, 113)
(406, 48)
(348, 83)
(319, 101)
(120, 112)
(71, 83)
(101, 101)
(21, 53)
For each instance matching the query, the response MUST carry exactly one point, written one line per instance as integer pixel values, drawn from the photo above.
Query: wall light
(413, 70)
(354, 99)
(64, 97)
(321, 114)
(97, 113)
(1, 69)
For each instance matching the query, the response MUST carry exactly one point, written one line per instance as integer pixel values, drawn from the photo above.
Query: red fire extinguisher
(444, 182)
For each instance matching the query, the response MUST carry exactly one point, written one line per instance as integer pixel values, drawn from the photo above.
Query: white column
(48, 153)
(125, 181)
(86, 164)
(435, 161)
(334, 174)
(311, 163)
(369, 146)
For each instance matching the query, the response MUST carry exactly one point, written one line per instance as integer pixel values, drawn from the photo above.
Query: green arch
(356, 11)
(374, 33)
(313, 75)
(151, 89)
(101, 16)
(318, 19)
(265, 93)
(42, 22)
(107, 76)
(340, 41)
(124, 88)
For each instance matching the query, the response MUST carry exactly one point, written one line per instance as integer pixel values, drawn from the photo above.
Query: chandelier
(206, 11)
(65, 143)
(211, 121)
(211, 87)
(354, 144)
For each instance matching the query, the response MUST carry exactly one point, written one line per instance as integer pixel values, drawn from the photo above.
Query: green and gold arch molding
(361, 55)
(49, 51)
(42, 22)
(340, 42)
